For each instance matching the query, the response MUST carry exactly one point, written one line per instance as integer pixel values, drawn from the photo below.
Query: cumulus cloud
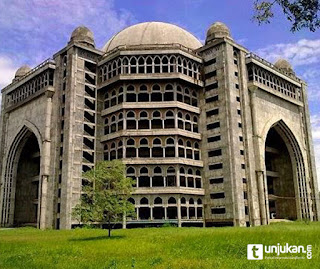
(302, 52)
(36, 29)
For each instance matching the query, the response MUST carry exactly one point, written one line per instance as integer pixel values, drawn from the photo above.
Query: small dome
(22, 71)
(217, 30)
(153, 33)
(82, 34)
(284, 65)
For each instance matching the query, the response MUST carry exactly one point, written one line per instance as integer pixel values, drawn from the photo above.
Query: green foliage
(301, 13)
(148, 248)
(105, 197)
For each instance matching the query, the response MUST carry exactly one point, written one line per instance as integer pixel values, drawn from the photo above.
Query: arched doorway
(20, 192)
(279, 178)
(286, 179)
(27, 184)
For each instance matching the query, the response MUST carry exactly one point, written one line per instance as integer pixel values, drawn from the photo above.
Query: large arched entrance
(279, 175)
(27, 184)
(20, 196)
(285, 175)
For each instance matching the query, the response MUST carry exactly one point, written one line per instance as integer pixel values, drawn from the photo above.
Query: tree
(105, 196)
(301, 13)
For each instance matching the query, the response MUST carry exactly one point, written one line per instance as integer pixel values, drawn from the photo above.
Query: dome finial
(217, 30)
(23, 70)
(284, 65)
(83, 35)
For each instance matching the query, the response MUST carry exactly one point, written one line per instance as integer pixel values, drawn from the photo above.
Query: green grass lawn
(154, 247)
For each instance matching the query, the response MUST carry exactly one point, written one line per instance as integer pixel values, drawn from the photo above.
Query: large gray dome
(150, 33)
(284, 65)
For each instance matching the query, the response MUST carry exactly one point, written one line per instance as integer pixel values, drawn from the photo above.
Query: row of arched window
(149, 64)
(171, 201)
(270, 80)
(152, 148)
(145, 120)
(155, 93)
(165, 177)
(190, 209)
(31, 87)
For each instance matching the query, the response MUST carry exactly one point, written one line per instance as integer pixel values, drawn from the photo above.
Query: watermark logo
(255, 252)
(259, 251)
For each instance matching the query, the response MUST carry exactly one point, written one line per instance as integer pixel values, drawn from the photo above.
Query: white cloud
(7, 71)
(303, 52)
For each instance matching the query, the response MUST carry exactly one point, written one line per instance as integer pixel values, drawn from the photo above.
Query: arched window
(169, 120)
(157, 65)
(187, 98)
(172, 200)
(143, 95)
(106, 152)
(143, 120)
(189, 150)
(131, 200)
(156, 94)
(131, 172)
(181, 149)
(113, 126)
(113, 153)
(188, 123)
(144, 178)
(170, 148)
(157, 201)
(172, 65)
(125, 64)
(149, 65)
(144, 201)
(120, 150)
(191, 201)
(194, 101)
(144, 150)
(157, 150)
(157, 178)
(169, 93)
(199, 201)
(165, 63)
(131, 94)
(183, 182)
(171, 177)
(120, 122)
(131, 151)
(156, 122)
(190, 179)
(195, 128)
(133, 65)
(183, 200)
(141, 64)
(131, 120)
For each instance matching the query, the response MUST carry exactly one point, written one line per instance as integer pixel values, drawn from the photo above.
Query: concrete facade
(213, 134)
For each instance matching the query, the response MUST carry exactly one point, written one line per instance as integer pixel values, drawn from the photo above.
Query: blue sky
(32, 31)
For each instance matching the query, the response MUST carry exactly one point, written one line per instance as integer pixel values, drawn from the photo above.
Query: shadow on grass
(103, 237)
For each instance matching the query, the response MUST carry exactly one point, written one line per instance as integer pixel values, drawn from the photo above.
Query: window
(236, 74)
(240, 138)
(217, 195)
(239, 111)
(213, 125)
(244, 180)
(218, 210)
(237, 86)
(212, 112)
(243, 166)
(218, 180)
(214, 153)
(212, 86)
(214, 138)
(216, 166)
(212, 61)
(238, 99)
(245, 195)
(239, 124)
(212, 99)
(210, 74)
(242, 152)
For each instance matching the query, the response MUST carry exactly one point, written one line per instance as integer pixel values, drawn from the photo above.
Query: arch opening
(280, 176)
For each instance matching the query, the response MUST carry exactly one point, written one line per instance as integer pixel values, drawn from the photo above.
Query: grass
(154, 247)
